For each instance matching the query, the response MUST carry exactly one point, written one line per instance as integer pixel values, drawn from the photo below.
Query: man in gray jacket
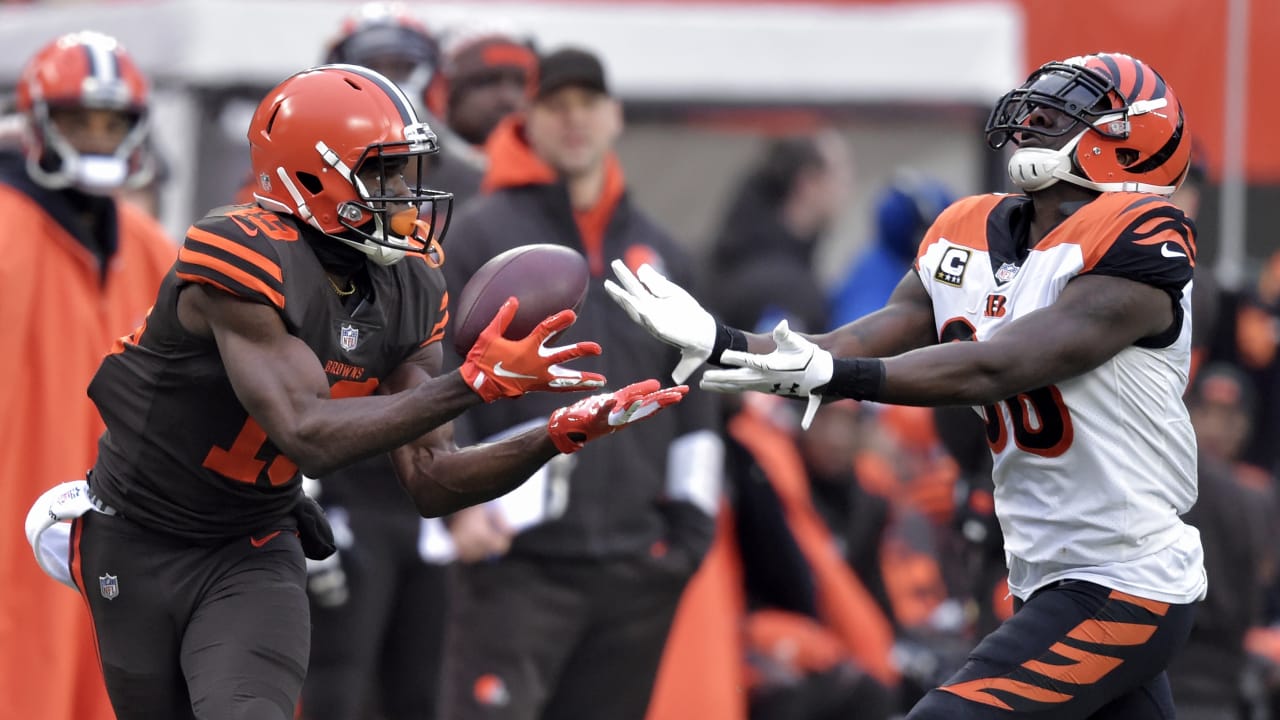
(566, 591)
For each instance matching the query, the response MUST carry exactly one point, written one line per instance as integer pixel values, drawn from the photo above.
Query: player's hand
(797, 368)
(479, 533)
(573, 427)
(668, 312)
(497, 367)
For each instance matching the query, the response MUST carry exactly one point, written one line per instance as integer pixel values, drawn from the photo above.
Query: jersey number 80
(1039, 420)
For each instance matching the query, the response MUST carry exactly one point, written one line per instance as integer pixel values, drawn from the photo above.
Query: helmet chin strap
(1033, 169)
(380, 254)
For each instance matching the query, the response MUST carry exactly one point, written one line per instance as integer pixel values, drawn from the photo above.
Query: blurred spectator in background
(763, 255)
(1189, 194)
(855, 516)
(811, 639)
(980, 567)
(1205, 293)
(1248, 336)
(568, 619)
(79, 269)
(377, 608)
(148, 194)
(386, 38)
(901, 461)
(486, 76)
(1235, 513)
(818, 642)
(1239, 327)
(904, 210)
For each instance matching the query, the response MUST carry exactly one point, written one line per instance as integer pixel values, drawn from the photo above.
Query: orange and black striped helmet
(1131, 129)
(313, 135)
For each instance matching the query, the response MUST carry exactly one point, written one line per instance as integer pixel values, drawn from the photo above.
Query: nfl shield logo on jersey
(1006, 272)
(348, 336)
(109, 586)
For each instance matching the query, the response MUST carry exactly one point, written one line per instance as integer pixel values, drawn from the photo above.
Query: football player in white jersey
(1077, 293)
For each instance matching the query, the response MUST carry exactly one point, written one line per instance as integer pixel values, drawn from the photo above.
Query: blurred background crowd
(795, 153)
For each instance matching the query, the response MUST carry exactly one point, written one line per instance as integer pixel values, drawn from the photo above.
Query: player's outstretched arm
(281, 383)
(1094, 318)
(443, 478)
(572, 427)
(904, 323)
(673, 316)
(798, 365)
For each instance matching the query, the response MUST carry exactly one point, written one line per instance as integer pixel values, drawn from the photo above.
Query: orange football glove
(573, 427)
(497, 367)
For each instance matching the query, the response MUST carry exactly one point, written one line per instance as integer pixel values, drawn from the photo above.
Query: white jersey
(1092, 474)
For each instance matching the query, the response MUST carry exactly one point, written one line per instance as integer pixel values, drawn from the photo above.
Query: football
(545, 278)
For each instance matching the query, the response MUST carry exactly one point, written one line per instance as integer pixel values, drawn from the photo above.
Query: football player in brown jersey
(294, 335)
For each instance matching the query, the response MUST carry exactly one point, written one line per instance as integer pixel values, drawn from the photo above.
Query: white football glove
(668, 312)
(796, 368)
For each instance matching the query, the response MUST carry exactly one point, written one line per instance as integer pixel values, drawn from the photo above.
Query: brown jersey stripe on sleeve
(242, 252)
(200, 265)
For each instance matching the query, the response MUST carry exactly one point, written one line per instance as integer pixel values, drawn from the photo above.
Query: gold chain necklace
(351, 287)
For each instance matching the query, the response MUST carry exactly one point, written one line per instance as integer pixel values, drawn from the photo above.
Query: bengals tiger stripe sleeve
(1147, 239)
(249, 271)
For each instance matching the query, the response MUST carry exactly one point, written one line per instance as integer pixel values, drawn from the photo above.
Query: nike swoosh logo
(1165, 251)
(503, 372)
(259, 542)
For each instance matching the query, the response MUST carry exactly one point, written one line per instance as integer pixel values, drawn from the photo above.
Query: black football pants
(184, 631)
(1074, 651)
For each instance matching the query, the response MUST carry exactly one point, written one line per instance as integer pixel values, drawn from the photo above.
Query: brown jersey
(181, 454)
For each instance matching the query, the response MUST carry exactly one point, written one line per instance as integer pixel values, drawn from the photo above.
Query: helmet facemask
(1073, 90)
(394, 213)
(1093, 103)
(53, 162)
